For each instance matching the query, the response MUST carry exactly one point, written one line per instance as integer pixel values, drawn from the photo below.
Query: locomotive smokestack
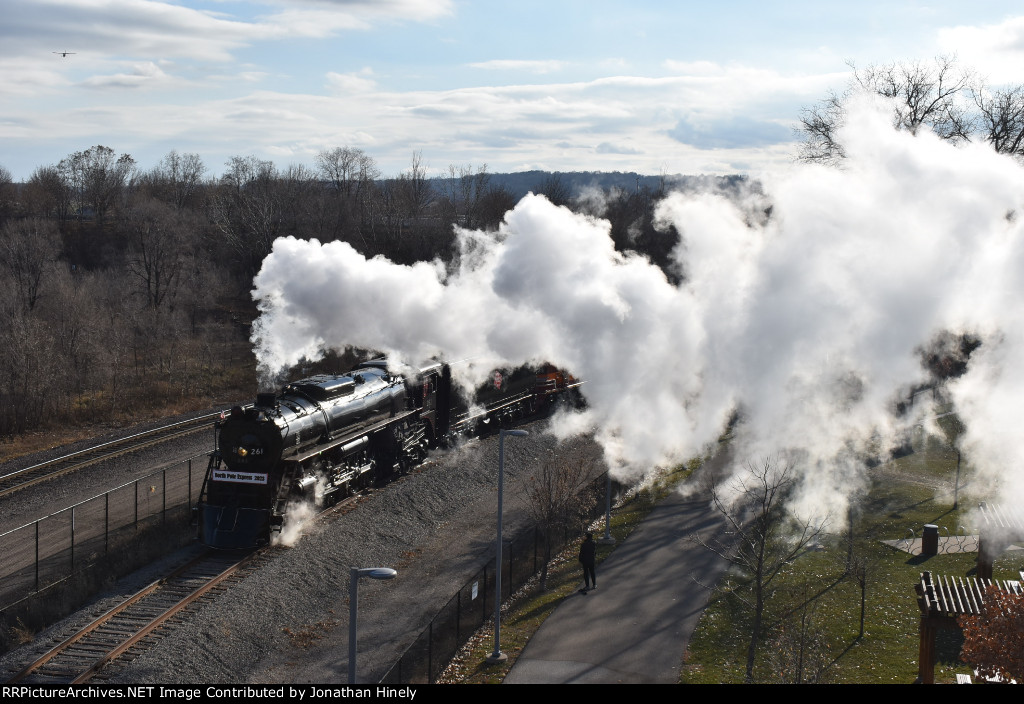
(266, 400)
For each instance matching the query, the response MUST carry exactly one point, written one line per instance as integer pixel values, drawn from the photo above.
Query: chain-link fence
(473, 604)
(48, 551)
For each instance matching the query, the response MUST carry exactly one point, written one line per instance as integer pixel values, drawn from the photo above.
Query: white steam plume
(808, 320)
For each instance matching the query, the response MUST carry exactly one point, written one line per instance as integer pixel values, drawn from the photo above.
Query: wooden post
(926, 652)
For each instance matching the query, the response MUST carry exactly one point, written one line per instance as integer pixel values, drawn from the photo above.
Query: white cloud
(996, 51)
(609, 148)
(21, 77)
(152, 28)
(297, 21)
(347, 83)
(523, 66)
(141, 28)
(694, 68)
(252, 76)
(417, 10)
(620, 122)
(142, 75)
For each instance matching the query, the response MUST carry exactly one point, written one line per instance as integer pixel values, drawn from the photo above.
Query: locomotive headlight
(242, 452)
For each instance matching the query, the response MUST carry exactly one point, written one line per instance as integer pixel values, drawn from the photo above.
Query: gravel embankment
(288, 622)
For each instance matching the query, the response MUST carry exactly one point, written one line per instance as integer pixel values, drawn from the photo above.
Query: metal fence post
(37, 555)
(535, 531)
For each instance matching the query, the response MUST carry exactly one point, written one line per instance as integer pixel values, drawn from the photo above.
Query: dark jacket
(587, 551)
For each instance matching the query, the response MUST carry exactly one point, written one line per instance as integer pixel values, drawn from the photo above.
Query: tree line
(127, 290)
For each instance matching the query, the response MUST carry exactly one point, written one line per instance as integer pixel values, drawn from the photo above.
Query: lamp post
(353, 602)
(497, 655)
(608, 538)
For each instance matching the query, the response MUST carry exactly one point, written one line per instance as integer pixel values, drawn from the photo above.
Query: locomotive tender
(324, 437)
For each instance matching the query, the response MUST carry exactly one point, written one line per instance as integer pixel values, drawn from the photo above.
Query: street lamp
(608, 538)
(497, 655)
(353, 601)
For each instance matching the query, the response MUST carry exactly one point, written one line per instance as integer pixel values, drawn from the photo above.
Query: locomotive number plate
(224, 475)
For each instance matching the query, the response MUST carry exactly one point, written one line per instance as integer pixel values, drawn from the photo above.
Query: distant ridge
(574, 182)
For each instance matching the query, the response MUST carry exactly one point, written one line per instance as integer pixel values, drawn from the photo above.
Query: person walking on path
(588, 551)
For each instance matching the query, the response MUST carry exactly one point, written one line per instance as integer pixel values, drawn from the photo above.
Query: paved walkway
(635, 626)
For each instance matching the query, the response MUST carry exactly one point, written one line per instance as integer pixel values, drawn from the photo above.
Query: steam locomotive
(324, 437)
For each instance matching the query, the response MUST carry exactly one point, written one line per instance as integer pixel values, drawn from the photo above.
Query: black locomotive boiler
(324, 437)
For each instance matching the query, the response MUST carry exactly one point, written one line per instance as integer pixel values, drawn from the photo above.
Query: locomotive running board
(488, 411)
(348, 437)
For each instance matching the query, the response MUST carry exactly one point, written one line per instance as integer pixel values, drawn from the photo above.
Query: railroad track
(133, 625)
(136, 624)
(22, 478)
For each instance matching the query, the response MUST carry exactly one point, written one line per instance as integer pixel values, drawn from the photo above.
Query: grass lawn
(816, 604)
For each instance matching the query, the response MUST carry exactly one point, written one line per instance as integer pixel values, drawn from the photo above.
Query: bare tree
(155, 250)
(246, 208)
(932, 95)
(177, 178)
(798, 652)
(351, 173)
(415, 188)
(298, 189)
(98, 178)
(763, 535)
(819, 127)
(8, 196)
(72, 315)
(48, 194)
(1001, 118)
(466, 188)
(347, 169)
(494, 203)
(557, 496)
(923, 95)
(554, 189)
(27, 365)
(863, 557)
(27, 249)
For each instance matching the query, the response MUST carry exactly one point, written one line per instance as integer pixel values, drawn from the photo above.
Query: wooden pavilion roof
(952, 596)
(997, 517)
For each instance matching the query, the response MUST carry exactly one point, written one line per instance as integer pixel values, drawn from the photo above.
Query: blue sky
(655, 87)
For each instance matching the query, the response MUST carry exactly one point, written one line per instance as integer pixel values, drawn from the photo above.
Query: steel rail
(128, 444)
(139, 627)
